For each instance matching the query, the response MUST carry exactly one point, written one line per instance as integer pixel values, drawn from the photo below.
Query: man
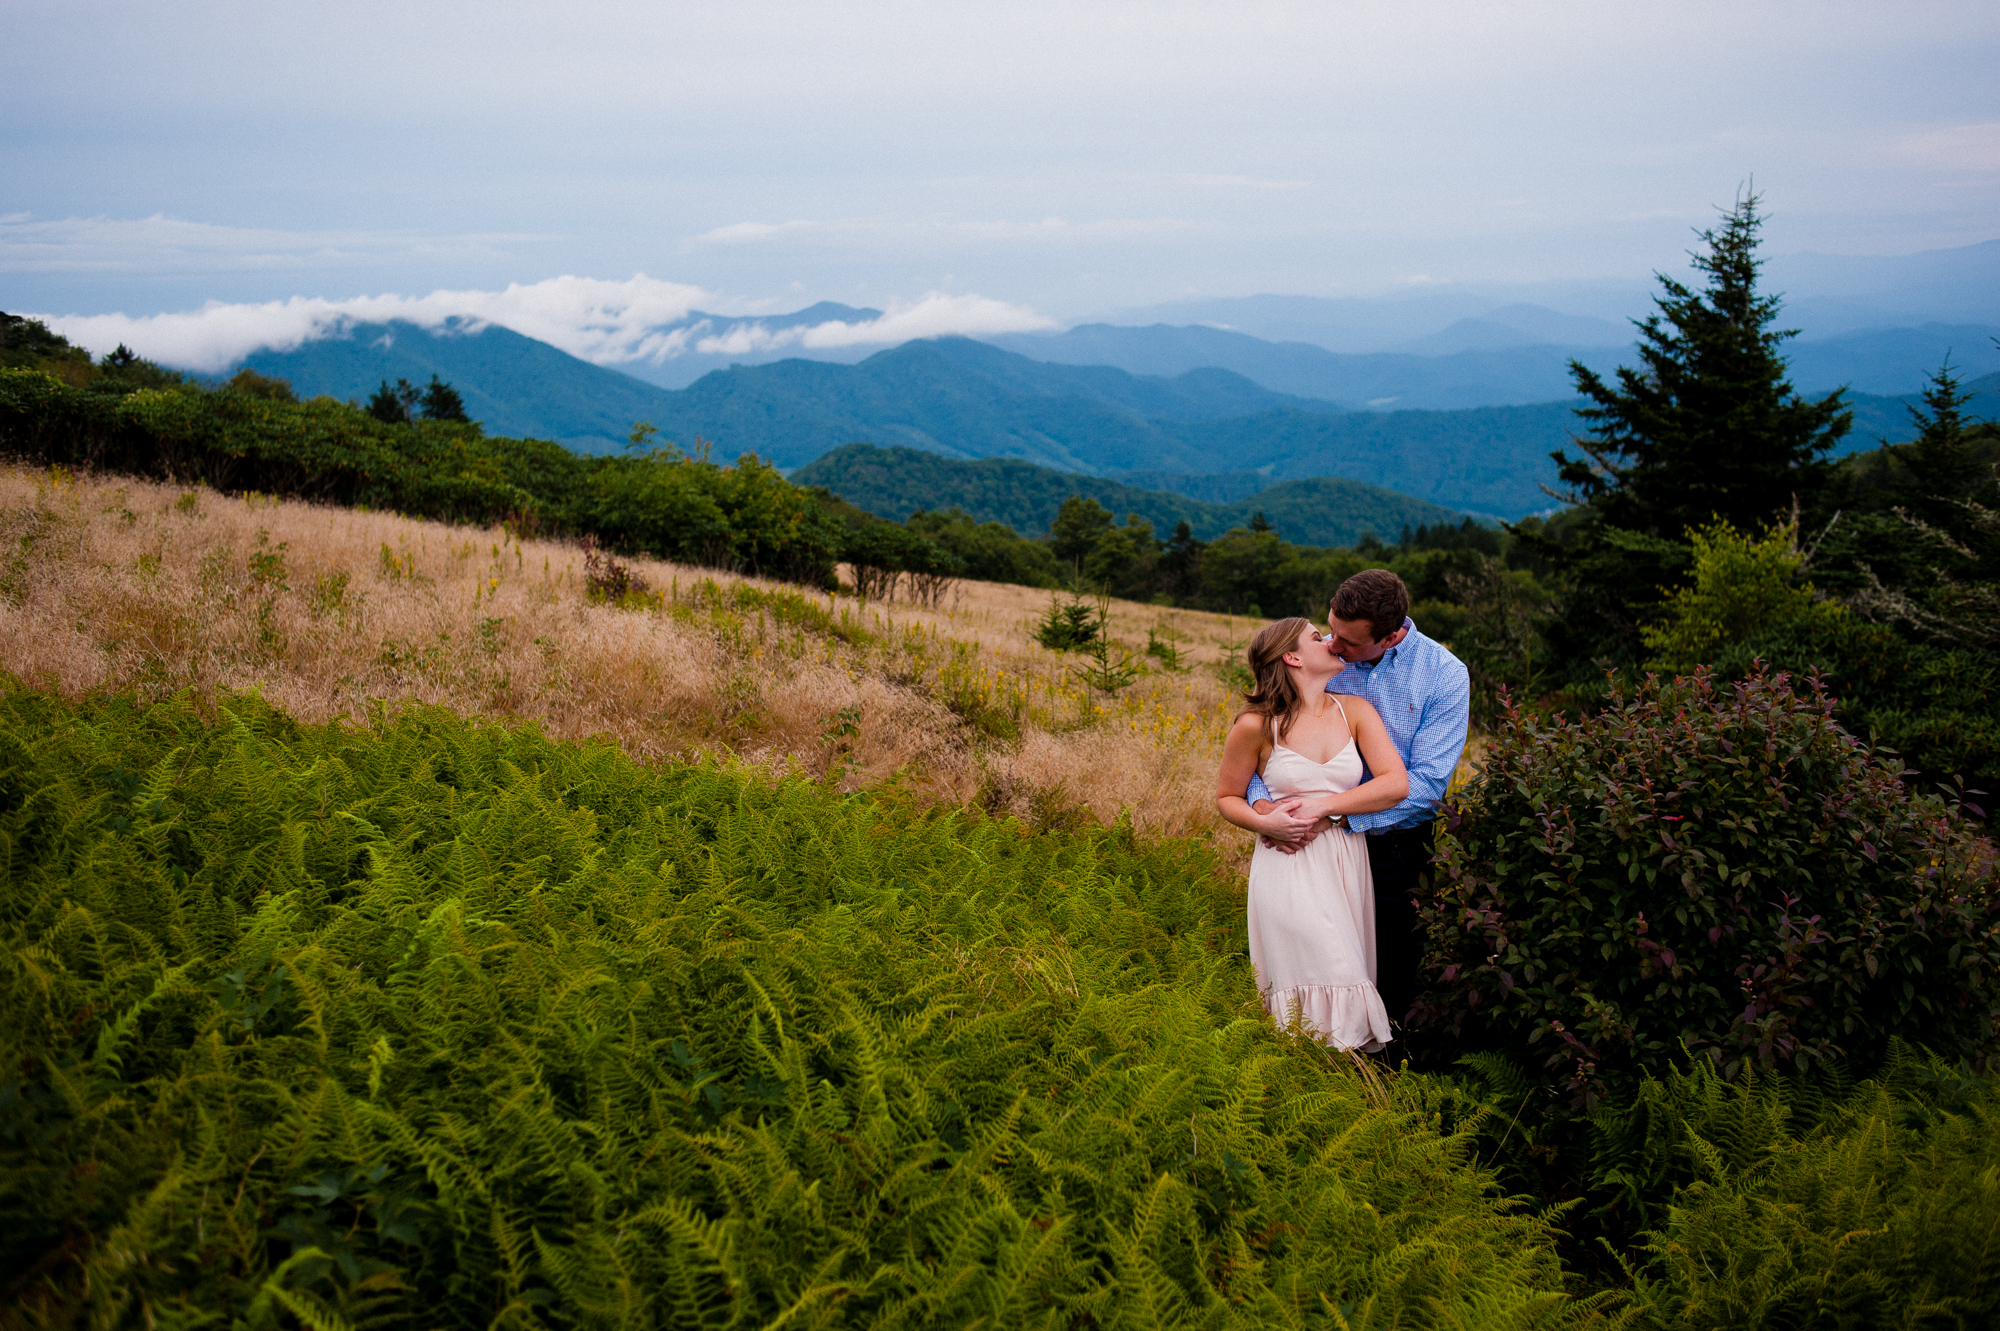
(1425, 698)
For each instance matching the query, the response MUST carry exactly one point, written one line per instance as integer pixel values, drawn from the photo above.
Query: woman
(1312, 914)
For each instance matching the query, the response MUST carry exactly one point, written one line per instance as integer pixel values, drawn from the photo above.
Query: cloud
(935, 315)
(597, 320)
(742, 233)
(160, 243)
(606, 322)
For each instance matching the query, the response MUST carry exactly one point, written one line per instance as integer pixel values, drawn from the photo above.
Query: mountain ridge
(968, 399)
(893, 483)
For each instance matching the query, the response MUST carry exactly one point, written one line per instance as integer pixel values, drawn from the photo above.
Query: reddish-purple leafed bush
(1711, 867)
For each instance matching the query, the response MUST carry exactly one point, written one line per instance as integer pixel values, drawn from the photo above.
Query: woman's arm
(1390, 782)
(1242, 755)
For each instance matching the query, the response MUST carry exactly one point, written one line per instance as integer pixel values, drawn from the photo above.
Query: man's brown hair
(1376, 595)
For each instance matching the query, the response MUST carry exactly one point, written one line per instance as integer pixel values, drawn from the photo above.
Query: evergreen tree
(1707, 426)
(394, 406)
(1940, 467)
(129, 367)
(442, 402)
(1182, 562)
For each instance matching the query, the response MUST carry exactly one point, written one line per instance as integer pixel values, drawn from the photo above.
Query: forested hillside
(896, 482)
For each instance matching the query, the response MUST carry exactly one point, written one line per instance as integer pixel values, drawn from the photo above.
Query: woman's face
(1316, 651)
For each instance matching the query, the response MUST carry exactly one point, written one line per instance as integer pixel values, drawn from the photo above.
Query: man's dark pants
(1400, 861)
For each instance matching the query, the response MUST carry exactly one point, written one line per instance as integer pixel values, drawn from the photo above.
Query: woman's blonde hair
(1275, 696)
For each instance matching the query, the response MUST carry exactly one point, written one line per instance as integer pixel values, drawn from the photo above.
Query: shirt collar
(1410, 627)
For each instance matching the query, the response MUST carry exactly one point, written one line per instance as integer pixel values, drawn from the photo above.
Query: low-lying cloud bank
(607, 323)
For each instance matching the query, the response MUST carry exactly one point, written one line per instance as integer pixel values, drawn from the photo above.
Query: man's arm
(1434, 753)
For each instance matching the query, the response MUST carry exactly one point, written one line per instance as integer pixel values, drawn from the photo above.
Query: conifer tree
(1941, 467)
(393, 406)
(442, 402)
(1707, 426)
(1182, 561)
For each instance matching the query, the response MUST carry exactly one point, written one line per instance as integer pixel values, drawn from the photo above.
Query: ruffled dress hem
(1346, 1016)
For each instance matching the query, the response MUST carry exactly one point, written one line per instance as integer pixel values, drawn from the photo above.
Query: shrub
(608, 580)
(1741, 585)
(1712, 869)
(885, 553)
(1937, 708)
(453, 1025)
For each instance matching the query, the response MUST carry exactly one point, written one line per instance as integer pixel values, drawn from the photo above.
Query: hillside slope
(514, 385)
(895, 482)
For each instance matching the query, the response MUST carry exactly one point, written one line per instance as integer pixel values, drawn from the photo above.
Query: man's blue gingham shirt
(1425, 698)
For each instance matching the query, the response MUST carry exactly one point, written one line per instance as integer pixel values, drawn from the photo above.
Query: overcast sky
(1067, 158)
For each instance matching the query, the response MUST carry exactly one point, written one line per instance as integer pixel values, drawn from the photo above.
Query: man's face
(1354, 640)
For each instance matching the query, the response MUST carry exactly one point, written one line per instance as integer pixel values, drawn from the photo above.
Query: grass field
(115, 584)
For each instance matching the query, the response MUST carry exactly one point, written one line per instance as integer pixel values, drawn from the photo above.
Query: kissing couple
(1339, 761)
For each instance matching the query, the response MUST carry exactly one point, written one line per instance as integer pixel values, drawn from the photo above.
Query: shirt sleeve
(1258, 790)
(1433, 756)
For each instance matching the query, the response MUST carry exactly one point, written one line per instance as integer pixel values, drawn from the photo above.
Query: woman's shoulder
(1247, 723)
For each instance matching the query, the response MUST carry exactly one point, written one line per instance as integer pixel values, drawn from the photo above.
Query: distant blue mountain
(1892, 361)
(1378, 381)
(1208, 433)
(1881, 361)
(1827, 295)
(965, 399)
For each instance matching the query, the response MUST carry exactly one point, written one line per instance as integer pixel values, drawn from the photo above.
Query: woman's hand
(1311, 834)
(1288, 825)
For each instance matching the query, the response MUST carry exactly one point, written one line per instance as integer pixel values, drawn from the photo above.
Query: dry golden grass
(116, 584)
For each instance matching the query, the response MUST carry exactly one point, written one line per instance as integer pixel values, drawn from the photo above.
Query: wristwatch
(1339, 821)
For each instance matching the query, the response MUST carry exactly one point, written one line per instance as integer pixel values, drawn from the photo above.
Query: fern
(451, 1024)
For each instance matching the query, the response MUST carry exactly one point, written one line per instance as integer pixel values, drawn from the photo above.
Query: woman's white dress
(1312, 915)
